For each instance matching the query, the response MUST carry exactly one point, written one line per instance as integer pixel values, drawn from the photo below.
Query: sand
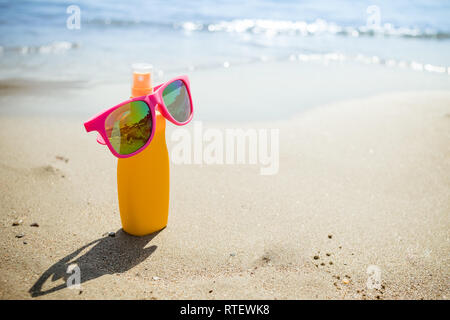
(363, 182)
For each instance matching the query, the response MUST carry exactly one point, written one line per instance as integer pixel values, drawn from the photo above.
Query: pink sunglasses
(128, 128)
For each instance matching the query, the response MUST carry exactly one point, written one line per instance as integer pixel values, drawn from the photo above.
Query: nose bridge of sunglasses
(154, 101)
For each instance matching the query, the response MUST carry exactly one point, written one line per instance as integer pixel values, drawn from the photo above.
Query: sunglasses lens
(129, 127)
(176, 98)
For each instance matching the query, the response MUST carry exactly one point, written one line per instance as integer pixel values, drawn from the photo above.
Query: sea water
(39, 40)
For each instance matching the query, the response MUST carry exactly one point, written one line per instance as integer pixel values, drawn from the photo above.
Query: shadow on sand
(107, 255)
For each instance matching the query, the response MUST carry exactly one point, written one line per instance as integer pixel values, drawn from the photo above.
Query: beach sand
(362, 183)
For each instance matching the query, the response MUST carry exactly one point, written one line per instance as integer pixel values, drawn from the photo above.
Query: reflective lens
(177, 101)
(129, 127)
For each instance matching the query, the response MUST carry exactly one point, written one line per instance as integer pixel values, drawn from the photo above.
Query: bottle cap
(142, 79)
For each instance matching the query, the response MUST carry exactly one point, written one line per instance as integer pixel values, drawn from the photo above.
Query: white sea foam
(333, 56)
(52, 48)
(319, 26)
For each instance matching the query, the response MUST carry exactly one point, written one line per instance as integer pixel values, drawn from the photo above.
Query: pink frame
(153, 100)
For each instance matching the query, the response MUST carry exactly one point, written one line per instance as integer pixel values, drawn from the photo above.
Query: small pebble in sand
(155, 278)
(328, 254)
(34, 224)
(232, 254)
(322, 264)
(345, 281)
(210, 291)
(62, 158)
(20, 235)
(316, 257)
(331, 262)
(25, 242)
(17, 223)
(111, 234)
(330, 236)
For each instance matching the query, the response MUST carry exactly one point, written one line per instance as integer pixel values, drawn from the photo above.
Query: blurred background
(337, 49)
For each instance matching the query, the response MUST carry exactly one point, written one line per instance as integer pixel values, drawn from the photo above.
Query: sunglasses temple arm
(88, 126)
(100, 139)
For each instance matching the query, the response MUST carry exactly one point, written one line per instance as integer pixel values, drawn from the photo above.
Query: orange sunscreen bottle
(143, 180)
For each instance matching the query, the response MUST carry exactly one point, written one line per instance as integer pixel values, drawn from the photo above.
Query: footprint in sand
(48, 171)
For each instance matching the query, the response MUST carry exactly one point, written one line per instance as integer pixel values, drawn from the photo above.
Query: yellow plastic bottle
(143, 180)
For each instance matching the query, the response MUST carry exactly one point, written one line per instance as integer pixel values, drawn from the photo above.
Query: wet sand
(361, 183)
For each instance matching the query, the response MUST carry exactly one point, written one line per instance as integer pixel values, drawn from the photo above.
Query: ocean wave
(271, 27)
(52, 48)
(326, 58)
(303, 28)
(114, 22)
